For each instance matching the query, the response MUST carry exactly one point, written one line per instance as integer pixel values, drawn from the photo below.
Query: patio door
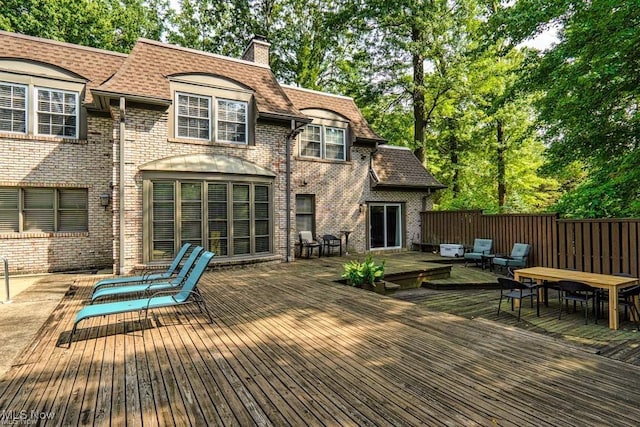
(385, 231)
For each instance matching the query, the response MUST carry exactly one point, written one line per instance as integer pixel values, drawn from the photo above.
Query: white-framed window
(43, 209)
(311, 141)
(323, 142)
(56, 113)
(334, 143)
(232, 121)
(193, 116)
(13, 108)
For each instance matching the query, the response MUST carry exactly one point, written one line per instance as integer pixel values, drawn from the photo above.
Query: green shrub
(358, 273)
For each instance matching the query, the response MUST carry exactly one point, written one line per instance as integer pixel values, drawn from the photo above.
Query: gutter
(123, 104)
(296, 128)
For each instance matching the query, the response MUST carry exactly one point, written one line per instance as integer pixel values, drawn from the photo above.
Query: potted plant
(363, 274)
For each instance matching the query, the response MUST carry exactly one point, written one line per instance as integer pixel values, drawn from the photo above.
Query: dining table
(608, 282)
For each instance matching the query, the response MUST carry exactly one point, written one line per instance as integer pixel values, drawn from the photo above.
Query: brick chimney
(257, 51)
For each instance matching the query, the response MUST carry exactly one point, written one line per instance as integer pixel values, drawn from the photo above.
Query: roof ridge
(59, 43)
(302, 89)
(201, 52)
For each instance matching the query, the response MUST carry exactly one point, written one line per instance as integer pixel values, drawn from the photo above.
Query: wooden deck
(288, 346)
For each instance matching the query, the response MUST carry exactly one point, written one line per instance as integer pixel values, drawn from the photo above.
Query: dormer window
(13, 108)
(57, 113)
(232, 121)
(194, 116)
(323, 142)
(53, 112)
(334, 143)
(193, 119)
(311, 141)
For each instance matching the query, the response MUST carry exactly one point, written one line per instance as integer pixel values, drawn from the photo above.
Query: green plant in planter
(360, 273)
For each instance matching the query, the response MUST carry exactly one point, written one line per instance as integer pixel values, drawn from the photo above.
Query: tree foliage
(591, 82)
(106, 24)
(505, 128)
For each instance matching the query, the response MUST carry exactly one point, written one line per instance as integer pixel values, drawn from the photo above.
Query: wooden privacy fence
(595, 245)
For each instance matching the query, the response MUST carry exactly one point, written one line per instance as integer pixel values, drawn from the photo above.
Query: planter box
(451, 250)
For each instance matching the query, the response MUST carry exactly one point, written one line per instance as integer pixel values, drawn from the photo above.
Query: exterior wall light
(105, 198)
(362, 207)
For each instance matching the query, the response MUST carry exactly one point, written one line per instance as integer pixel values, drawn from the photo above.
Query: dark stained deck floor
(288, 346)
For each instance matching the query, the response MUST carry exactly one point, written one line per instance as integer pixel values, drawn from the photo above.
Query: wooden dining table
(603, 281)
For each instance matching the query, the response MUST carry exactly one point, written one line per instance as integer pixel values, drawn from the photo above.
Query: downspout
(121, 181)
(295, 130)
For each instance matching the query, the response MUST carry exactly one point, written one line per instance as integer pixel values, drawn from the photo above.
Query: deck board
(289, 346)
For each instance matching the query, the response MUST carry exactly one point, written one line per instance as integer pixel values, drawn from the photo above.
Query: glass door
(385, 225)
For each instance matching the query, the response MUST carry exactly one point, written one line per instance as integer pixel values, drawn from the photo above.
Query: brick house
(116, 160)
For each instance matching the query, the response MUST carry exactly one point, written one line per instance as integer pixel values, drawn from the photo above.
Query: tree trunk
(418, 97)
(454, 158)
(502, 192)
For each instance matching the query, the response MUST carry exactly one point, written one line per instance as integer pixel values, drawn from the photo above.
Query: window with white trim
(334, 139)
(43, 209)
(13, 108)
(232, 121)
(193, 115)
(323, 142)
(56, 113)
(311, 141)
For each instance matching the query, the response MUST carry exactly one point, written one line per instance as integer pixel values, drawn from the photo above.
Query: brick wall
(51, 162)
(341, 187)
(146, 140)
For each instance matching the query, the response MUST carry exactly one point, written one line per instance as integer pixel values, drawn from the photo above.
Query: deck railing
(595, 245)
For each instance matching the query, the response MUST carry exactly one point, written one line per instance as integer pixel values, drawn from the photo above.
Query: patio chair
(150, 288)
(188, 293)
(513, 290)
(329, 241)
(569, 290)
(147, 277)
(481, 247)
(307, 242)
(517, 259)
(626, 299)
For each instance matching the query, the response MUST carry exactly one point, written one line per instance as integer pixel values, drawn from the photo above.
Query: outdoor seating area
(325, 245)
(281, 349)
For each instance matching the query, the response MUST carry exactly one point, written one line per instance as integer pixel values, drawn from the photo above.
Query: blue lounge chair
(517, 259)
(188, 293)
(149, 276)
(481, 247)
(149, 288)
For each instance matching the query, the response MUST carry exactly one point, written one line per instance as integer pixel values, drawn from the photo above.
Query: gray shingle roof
(398, 168)
(145, 73)
(95, 65)
(303, 98)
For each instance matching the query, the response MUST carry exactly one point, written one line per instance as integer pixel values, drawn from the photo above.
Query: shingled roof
(398, 168)
(145, 74)
(305, 98)
(95, 65)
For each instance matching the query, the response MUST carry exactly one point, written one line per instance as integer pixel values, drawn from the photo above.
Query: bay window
(228, 218)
